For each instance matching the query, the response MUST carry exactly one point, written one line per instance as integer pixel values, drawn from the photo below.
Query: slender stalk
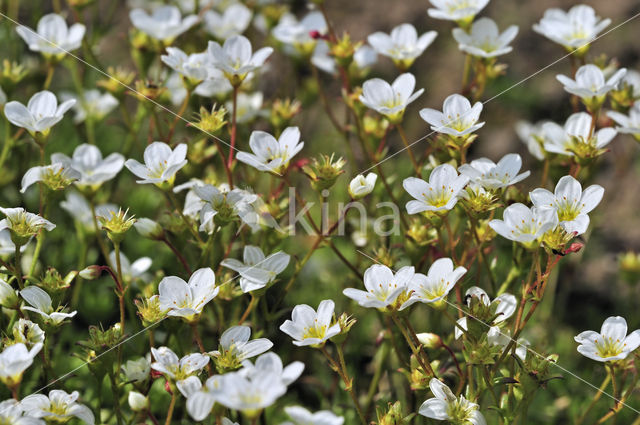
(172, 404)
(181, 112)
(18, 268)
(403, 136)
(50, 71)
(178, 254)
(426, 367)
(250, 307)
(36, 253)
(187, 222)
(341, 368)
(227, 169)
(121, 289)
(101, 244)
(234, 115)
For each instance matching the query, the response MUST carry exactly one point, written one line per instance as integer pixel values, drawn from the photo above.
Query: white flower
(458, 117)
(628, 124)
(490, 175)
(135, 270)
(236, 57)
(200, 399)
(309, 327)
(168, 363)
(387, 99)
(11, 413)
(184, 299)
(270, 154)
(27, 332)
(251, 393)
(532, 135)
(297, 34)
(270, 363)
(575, 135)
(148, 228)
(233, 21)
(165, 23)
(440, 194)
(87, 160)
(382, 287)
(403, 44)
(194, 67)
(456, 10)
(40, 302)
(14, 360)
(235, 344)
(53, 37)
(160, 163)
(573, 29)
(41, 113)
(570, 202)
(631, 79)
(435, 286)
(136, 370)
(523, 224)
(445, 406)
(137, 401)
(59, 407)
(361, 186)
(301, 416)
(485, 40)
(57, 173)
(219, 206)
(257, 271)
(590, 82)
(247, 107)
(23, 225)
(92, 104)
(611, 343)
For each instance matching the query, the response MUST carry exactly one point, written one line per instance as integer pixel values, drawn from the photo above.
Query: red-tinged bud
(316, 35)
(167, 387)
(155, 374)
(574, 247)
(301, 163)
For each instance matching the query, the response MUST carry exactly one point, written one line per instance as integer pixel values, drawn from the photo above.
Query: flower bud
(149, 229)
(53, 281)
(90, 272)
(116, 84)
(429, 340)
(138, 401)
(283, 111)
(149, 310)
(212, 121)
(361, 186)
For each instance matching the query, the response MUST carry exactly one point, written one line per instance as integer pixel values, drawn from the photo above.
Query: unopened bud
(138, 401)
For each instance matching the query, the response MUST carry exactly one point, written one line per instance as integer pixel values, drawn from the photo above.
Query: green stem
(233, 128)
(595, 399)
(171, 406)
(426, 366)
(403, 136)
(341, 368)
(18, 268)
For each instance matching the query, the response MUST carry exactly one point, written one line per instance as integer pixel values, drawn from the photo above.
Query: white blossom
(570, 202)
(184, 299)
(458, 118)
(168, 363)
(14, 360)
(165, 23)
(41, 113)
(611, 343)
(590, 82)
(58, 407)
(390, 100)
(257, 271)
(235, 344)
(439, 194)
(309, 327)
(161, 163)
(490, 175)
(301, 416)
(52, 36)
(233, 21)
(456, 10)
(573, 29)
(40, 302)
(485, 40)
(93, 168)
(403, 44)
(361, 186)
(383, 287)
(445, 406)
(270, 154)
(92, 104)
(575, 134)
(627, 124)
(523, 224)
(236, 57)
(435, 286)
